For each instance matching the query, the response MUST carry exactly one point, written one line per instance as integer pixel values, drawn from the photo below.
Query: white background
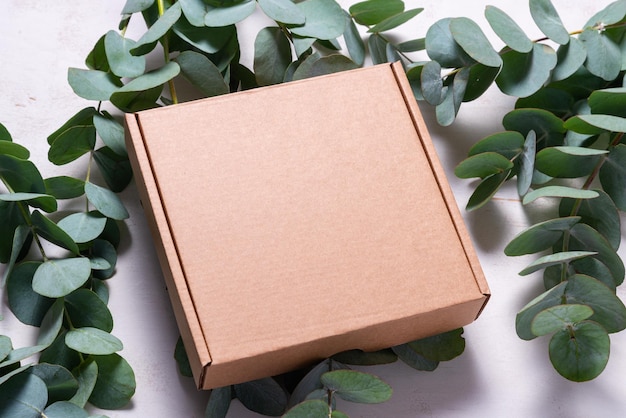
(499, 375)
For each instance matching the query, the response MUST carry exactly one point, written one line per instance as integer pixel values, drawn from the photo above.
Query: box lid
(299, 220)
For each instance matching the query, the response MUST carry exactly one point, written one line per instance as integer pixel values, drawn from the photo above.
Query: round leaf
(581, 352)
(447, 110)
(547, 19)
(57, 278)
(556, 101)
(325, 65)
(152, 79)
(44, 202)
(523, 74)
(441, 347)
(413, 359)
(584, 237)
(441, 46)
(524, 318)
(324, 19)
(111, 132)
(308, 409)
(86, 309)
(611, 14)
(604, 58)
(569, 57)
(509, 144)
(92, 84)
(115, 169)
(75, 138)
(507, 30)
(115, 384)
(90, 340)
(264, 396)
(219, 402)
(209, 40)
(83, 226)
(482, 165)
(548, 127)
(158, 29)
(26, 304)
(272, 56)
(283, 11)
(568, 162)
(202, 73)
(60, 382)
(23, 395)
(50, 231)
(105, 201)
(608, 309)
(64, 187)
(559, 317)
(354, 386)
(119, 58)
(471, 38)
(432, 83)
(225, 16)
(540, 237)
(480, 79)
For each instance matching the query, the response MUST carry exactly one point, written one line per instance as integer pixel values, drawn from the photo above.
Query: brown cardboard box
(296, 221)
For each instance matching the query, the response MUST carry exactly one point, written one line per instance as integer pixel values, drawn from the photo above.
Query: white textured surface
(499, 375)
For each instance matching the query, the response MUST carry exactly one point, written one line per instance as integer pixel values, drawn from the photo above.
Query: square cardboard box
(296, 221)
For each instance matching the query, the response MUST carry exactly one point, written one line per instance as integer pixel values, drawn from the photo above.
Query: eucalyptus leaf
(91, 340)
(23, 395)
(115, 169)
(20, 175)
(508, 144)
(608, 101)
(86, 375)
(194, 11)
(377, 48)
(202, 73)
(540, 237)
(21, 237)
(568, 162)
(105, 250)
(51, 324)
(558, 191)
(119, 58)
(441, 347)
(264, 396)
(581, 352)
(482, 165)
(569, 59)
(594, 268)
(507, 30)
(324, 19)
(480, 79)
(13, 149)
(64, 409)
(111, 132)
(105, 201)
(308, 409)
(97, 58)
(50, 231)
(432, 83)
(325, 65)
(412, 45)
(12, 218)
(64, 187)
(525, 316)
(548, 127)
(182, 360)
(394, 21)
(61, 354)
(136, 101)
(206, 39)
(553, 259)
(83, 226)
(556, 101)
(85, 309)
(584, 237)
(58, 278)
(134, 6)
(272, 56)
(311, 381)
(44, 202)
(527, 163)
(219, 403)
(596, 124)
(547, 19)
(413, 359)
(442, 47)
(164, 23)
(151, 79)
(75, 138)
(92, 84)
(355, 386)
(363, 358)
(27, 305)
(608, 309)
(523, 74)
(283, 11)
(471, 38)
(611, 14)
(5, 347)
(354, 43)
(5, 135)
(447, 110)
(372, 12)
(612, 175)
(61, 384)
(604, 57)
(485, 190)
(559, 317)
(229, 15)
(115, 384)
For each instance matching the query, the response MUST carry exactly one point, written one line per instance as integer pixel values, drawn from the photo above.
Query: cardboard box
(296, 221)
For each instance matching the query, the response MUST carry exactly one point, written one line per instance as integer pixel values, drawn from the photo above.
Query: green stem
(166, 53)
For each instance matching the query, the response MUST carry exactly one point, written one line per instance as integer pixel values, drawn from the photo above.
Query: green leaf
(594, 268)
(83, 226)
(324, 19)
(5, 135)
(115, 384)
(51, 324)
(44, 202)
(202, 73)
(569, 59)
(584, 237)
(116, 170)
(354, 386)
(86, 375)
(604, 58)
(548, 127)
(558, 318)
(58, 278)
(283, 11)
(556, 101)
(134, 6)
(159, 29)
(21, 237)
(568, 162)
(412, 45)
(508, 143)
(482, 165)
(65, 410)
(354, 43)
(21, 175)
(485, 190)
(60, 382)
(523, 74)
(540, 237)
(608, 309)
(90, 340)
(59, 353)
(24, 396)
(272, 56)
(151, 79)
(27, 305)
(507, 30)
(394, 21)
(372, 12)
(264, 396)
(611, 14)
(311, 381)
(229, 15)
(20, 354)
(527, 164)
(86, 309)
(111, 132)
(182, 360)
(547, 19)
(97, 59)
(441, 46)
(104, 249)
(50, 231)
(581, 352)
(5, 347)
(64, 187)
(432, 83)
(608, 101)
(325, 65)
(524, 318)
(596, 124)
(219, 403)
(441, 347)
(13, 149)
(122, 63)
(209, 40)
(553, 259)
(612, 175)
(363, 358)
(75, 138)
(378, 49)
(92, 84)
(105, 201)
(558, 191)
(471, 38)
(308, 409)
(447, 110)
(413, 359)
(194, 11)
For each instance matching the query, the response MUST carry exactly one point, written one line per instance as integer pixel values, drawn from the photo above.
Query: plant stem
(166, 53)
